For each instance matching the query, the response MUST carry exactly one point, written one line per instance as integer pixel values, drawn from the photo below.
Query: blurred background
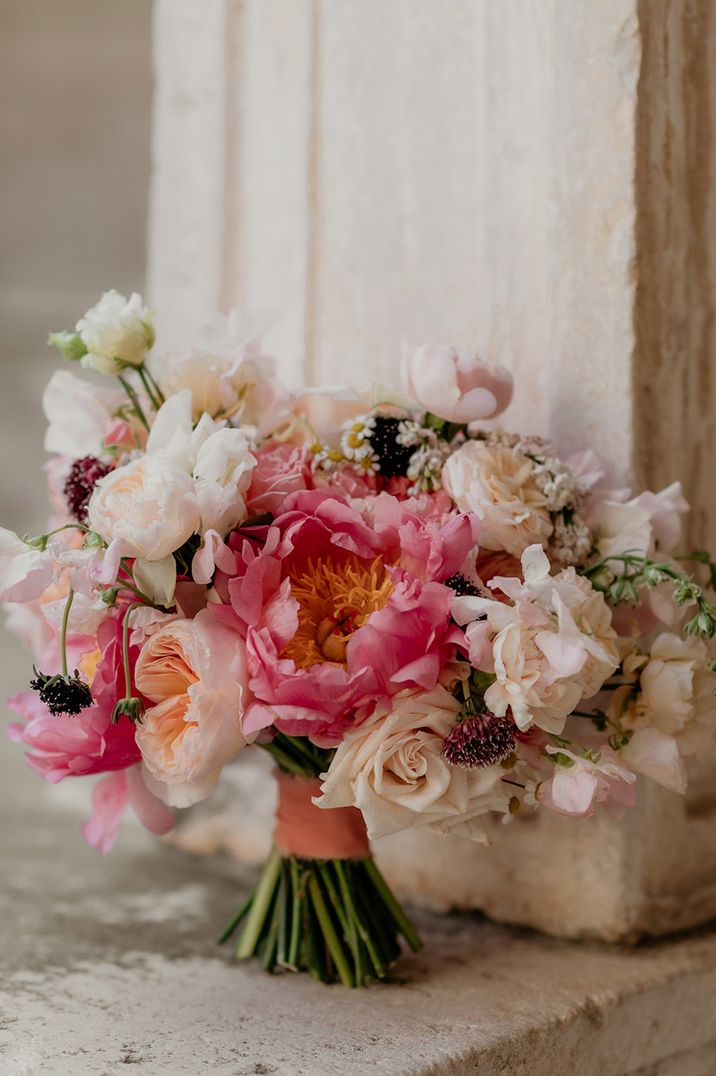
(75, 112)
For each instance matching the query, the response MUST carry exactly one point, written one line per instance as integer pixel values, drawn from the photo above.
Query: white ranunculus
(497, 484)
(149, 505)
(79, 414)
(391, 767)
(117, 332)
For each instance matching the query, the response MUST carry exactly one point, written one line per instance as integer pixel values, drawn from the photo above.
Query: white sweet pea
(24, 572)
(79, 414)
(218, 458)
(643, 525)
(157, 579)
(117, 332)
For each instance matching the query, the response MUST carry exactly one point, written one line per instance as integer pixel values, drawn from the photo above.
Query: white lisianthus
(117, 332)
(149, 506)
(498, 484)
(554, 646)
(392, 768)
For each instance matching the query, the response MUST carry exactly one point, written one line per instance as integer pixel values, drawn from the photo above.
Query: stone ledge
(111, 960)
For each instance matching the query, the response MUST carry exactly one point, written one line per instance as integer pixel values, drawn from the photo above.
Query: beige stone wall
(531, 179)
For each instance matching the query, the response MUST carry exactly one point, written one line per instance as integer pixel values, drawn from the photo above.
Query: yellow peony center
(334, 601)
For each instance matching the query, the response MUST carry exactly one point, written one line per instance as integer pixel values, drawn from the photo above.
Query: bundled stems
(334, 918)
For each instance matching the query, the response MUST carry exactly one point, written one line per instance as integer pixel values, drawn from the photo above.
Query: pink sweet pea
(455, 386)
(341, 608)
(586, 784)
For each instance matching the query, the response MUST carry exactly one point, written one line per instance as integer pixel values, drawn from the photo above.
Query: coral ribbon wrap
(311, 832)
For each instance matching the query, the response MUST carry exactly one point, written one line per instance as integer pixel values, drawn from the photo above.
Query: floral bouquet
(425, 620)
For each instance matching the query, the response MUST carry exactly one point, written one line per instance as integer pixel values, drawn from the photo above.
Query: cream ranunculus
(391, 767)
(117, 332)
(498, 485)
(195, 671)
(149, 506)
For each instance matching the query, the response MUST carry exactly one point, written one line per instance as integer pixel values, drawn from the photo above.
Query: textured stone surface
(111, 961)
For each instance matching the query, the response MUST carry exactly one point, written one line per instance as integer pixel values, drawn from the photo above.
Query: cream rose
(117, 332)
(150, 506)
(195, 671)
(391, 767)
(497, 484)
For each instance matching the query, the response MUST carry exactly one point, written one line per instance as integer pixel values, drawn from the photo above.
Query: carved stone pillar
(531, 179)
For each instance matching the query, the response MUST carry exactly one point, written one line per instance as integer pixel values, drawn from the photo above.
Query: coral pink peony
(344, 607)
(281, 469)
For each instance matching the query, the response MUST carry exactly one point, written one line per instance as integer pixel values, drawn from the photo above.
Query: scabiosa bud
(62, 694)
(483, 740)
(84, 474)
(393, 457)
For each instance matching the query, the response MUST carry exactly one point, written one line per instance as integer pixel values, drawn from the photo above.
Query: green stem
(284, 761)
(157, 390)
(399, 917)
(332, 941)
(137, 407)
(63, 632)
(296, 908)
(261, 903)
(148, 388)
(355, 915)
(231, 927)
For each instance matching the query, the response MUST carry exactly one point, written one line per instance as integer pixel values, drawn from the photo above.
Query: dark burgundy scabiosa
(83, 476)
(463, 587)
(62, 694)
(478, 741)
(393, 457)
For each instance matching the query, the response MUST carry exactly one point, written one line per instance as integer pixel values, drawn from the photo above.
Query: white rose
(391, 767)
(116, 332)
(149, 505)
(195, 672)
(497, 484)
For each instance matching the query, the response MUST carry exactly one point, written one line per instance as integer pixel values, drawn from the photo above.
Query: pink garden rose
(341, 608)
(455, 386)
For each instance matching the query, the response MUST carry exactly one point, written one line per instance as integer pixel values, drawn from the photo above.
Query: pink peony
(342, 607)
(281, 469)
(110, 798)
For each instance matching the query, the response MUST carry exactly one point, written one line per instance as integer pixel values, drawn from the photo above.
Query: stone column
(528, 178)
